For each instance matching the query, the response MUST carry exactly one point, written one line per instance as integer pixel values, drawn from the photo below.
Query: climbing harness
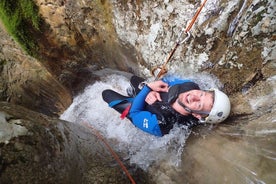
(162, 69)
(100, 137)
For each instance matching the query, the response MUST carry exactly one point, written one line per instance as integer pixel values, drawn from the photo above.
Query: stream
(233, 152)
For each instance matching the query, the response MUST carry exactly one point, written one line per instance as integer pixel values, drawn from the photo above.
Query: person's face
(197, 100)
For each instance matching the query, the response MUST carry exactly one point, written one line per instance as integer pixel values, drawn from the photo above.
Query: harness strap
(116, 102)
(126, 110)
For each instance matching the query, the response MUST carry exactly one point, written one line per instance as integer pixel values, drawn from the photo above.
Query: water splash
(139, 147)
(142, 149)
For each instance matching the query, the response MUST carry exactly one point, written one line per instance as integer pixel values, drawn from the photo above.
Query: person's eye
(199, 105)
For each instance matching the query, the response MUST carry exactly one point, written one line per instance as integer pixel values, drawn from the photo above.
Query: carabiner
(185, 39)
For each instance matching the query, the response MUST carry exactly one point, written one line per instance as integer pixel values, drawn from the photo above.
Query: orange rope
(195, 17)
(163, 69)
(99, 136)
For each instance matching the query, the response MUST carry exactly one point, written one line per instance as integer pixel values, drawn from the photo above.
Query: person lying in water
(157, 106)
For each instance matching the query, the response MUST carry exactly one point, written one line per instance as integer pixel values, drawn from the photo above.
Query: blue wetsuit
(159, 118)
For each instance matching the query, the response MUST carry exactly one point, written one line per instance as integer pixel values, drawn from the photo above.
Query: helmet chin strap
(190, 110)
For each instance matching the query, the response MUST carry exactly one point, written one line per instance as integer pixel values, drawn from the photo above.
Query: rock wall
(39, 149)
(25, 81)
(234, 40)
(76, 39)
(81, 37)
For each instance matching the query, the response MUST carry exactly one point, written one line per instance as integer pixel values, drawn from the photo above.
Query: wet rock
(39, 149)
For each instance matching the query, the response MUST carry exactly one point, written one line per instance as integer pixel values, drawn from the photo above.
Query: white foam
(142, 148)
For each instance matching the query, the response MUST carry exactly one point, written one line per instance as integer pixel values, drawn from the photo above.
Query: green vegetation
(22, 20)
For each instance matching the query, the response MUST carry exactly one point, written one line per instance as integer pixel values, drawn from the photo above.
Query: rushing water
(233, 154)
(143, 149)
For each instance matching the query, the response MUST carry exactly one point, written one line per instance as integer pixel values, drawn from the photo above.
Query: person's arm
(142, 119)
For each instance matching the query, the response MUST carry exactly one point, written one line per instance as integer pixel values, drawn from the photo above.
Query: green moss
(22, 21)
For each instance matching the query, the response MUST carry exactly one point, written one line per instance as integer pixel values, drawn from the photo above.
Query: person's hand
(158, 86)
(152, 97)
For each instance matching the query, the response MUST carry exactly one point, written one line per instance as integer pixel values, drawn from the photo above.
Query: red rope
(99, 136)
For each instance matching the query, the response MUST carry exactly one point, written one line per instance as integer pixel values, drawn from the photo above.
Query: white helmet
(221, 108)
